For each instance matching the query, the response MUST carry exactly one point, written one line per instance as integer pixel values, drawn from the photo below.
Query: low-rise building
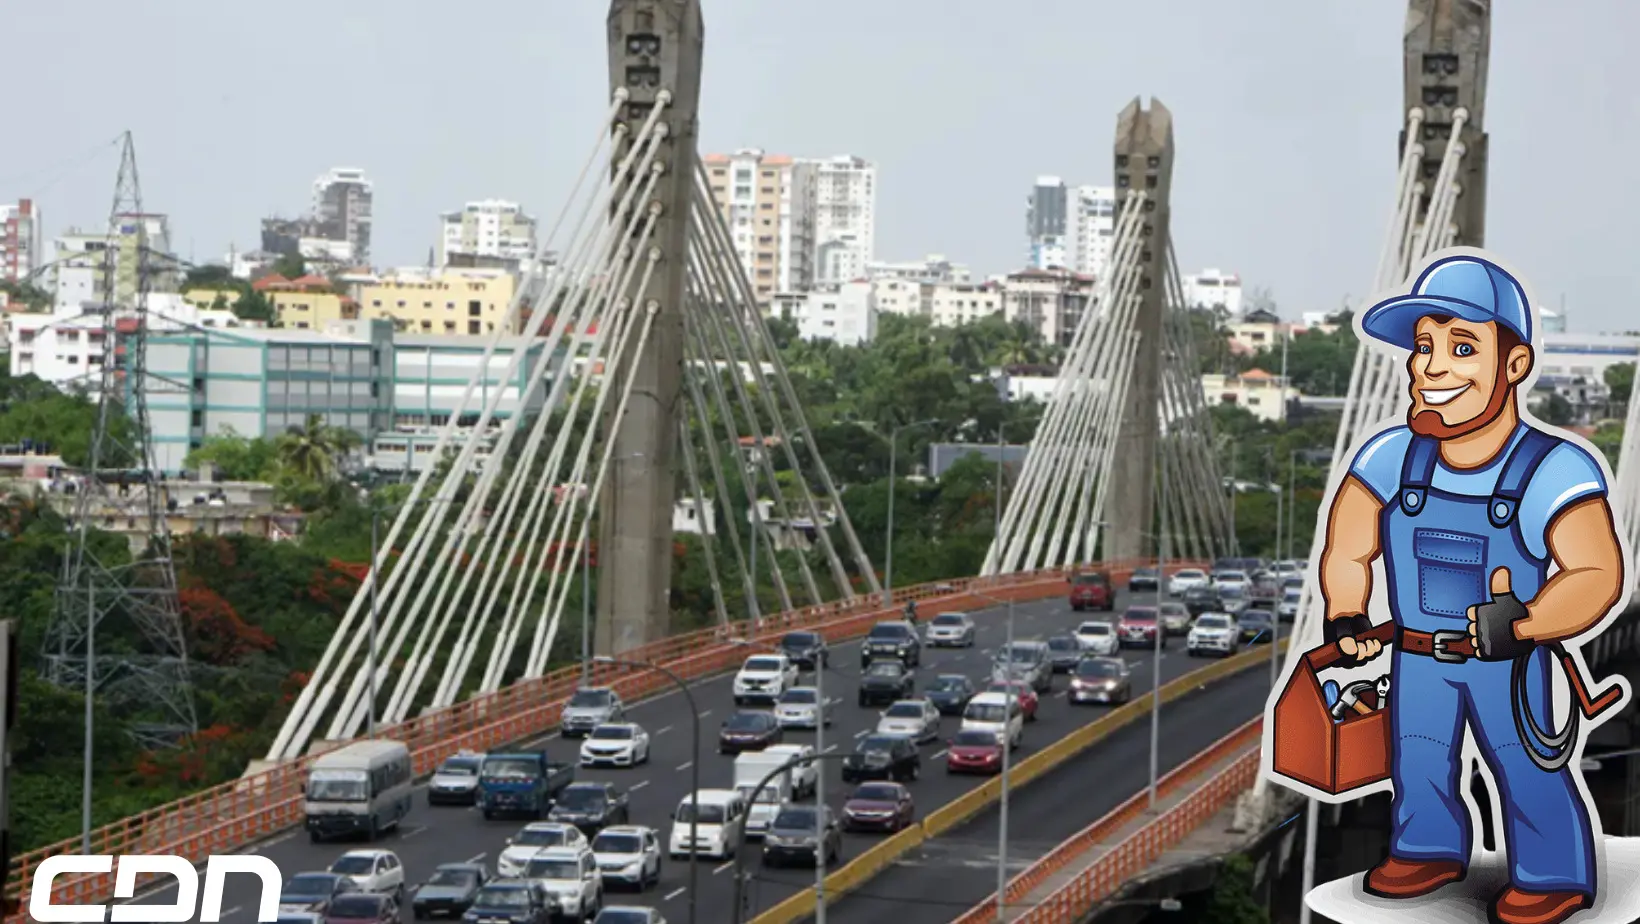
(1262, 394)
(198, 505)
(465, 301)
(845, 314)
(1213, 289)
(67, 347)
(955, 304)
(1050, 301)
(305, 303)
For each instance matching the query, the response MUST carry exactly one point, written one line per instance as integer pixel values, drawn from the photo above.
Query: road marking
(686, 765)
(862, 733)
(706, 713)
(664, 730)
(475, 859)
(675, 893)
(829, 750)
(723, 867)
(232, 911)
(940, 754)
(1063, 693)
(638, 785)
(413, 831)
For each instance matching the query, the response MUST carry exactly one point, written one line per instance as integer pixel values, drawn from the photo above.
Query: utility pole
(655, 49)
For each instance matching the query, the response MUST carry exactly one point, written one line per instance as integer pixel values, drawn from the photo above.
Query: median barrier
(234, 815)
(862, 868)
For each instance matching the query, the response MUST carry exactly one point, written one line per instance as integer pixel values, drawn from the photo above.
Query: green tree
(1557, 411)
(290, 266)
(32, 297)
(1233, 900)
(236, 457)
(1619, 378)
(253, 306)
(1318, 362)
(211, 276)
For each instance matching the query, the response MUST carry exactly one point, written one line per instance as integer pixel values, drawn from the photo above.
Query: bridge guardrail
(1078, 844)
(863, 867)
(241, 812)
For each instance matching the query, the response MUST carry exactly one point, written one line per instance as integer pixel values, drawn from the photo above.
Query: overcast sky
(1286, 117)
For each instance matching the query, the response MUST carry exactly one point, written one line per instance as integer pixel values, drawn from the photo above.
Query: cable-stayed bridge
(658, 370)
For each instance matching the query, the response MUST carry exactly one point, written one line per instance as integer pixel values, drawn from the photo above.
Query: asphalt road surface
(436, 835)
(950, 874)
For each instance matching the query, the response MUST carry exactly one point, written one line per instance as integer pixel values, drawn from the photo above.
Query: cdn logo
(42, 909)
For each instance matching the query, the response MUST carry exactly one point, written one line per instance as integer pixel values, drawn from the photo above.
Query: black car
(450, 890)
(1063, 653)
(589, 806)
(883, 757)
(516, 901)
(950, 693)
(807, 650)
(748, 731)
(313, 892)
(1203, 599)
(897, 640)
(886, 682)
(1143, 579)
(1256, 625)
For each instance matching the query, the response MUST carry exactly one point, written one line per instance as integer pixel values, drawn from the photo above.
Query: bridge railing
(235, 814)
(1136, 852)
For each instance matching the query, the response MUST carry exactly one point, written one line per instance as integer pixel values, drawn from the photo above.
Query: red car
(1138, 628)
(974, 751)
(1091, 591)
(1022, 691)
(879, 806)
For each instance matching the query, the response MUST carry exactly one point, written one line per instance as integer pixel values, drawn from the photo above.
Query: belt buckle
(1442, 638)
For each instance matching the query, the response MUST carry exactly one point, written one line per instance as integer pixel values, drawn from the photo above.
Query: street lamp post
(888, 555)
(1275, 617)
(1156, 647)
(694, 771)
(586, 600)
(793, 762)
(1007, 746)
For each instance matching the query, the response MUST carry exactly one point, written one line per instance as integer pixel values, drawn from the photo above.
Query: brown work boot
(1518, 906)
(1398, 878)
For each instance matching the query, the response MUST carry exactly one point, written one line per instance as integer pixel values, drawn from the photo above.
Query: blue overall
(1443, 531)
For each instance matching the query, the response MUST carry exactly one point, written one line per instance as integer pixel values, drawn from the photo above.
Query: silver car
(916, 719)
(1175, 618)
(589, 708)
(455, 782)
(1027, 661)
(800, 707)
(951, 630)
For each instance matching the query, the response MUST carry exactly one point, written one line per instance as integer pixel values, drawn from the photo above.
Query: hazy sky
(1286, 116)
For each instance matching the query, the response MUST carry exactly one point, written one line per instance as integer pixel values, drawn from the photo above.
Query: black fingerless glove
(1495, 629)
(1345, 627)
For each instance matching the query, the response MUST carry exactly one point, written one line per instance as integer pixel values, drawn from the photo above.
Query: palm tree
(313, 450)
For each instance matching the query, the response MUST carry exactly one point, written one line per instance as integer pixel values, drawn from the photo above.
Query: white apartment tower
(1092, 228)
(491, 228)
(845, 218)
(767, 200)
(342, 202)
(1045, 224)
(22, 242)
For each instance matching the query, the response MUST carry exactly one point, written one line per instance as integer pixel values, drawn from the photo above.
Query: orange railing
(1137, 851)
(236, 814)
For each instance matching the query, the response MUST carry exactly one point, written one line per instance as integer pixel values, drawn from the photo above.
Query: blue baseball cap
(1470, 288)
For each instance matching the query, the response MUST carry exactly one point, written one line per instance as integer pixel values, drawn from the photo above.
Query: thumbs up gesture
(1492, 624)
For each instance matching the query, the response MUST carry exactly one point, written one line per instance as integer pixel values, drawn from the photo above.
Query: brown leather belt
(1449, 645)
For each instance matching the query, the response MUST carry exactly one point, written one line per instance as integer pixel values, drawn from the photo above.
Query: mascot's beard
(1428, 422)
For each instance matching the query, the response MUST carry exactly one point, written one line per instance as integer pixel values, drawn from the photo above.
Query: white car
(916, 719)
(622, 744)
(1098, 638)
(951, 630)
(1183, 580)
(529, 840)
(628, 855)
(1213, 633)
(1232, 583)
(805, 776)
(372, 871)
(1287, 609)
(800, 707)
(570, 875)
(763, 678)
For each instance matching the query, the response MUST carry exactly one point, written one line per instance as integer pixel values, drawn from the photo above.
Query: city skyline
(951, 174)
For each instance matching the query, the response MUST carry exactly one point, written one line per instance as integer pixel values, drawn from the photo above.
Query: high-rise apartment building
(1092, 229)
(1214, 290)
(491, 228)
(342, 201)
(767, 200)
(1046, 213)
(845, 218)
(21, 241)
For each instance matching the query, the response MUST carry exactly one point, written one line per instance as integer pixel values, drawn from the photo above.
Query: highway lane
(432, 836)
(950, 874)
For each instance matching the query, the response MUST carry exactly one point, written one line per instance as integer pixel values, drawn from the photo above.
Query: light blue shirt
(1568, 474)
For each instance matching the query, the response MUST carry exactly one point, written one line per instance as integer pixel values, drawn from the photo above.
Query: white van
(717, 828)
(998, 713)
(363, 788)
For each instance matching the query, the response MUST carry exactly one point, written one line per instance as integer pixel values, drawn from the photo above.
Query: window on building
(475, 327)
(196, 418)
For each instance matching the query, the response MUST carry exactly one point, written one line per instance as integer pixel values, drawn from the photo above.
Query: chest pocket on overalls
(1451, 570)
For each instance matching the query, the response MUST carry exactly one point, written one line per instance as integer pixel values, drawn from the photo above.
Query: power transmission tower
(116, 627)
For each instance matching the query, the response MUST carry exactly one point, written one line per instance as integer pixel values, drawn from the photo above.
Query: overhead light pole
(888, 555)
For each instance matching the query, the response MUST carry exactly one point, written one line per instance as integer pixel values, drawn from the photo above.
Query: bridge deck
(1208, 840)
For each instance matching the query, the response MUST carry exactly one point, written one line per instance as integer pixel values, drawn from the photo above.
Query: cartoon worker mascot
(1498, 550)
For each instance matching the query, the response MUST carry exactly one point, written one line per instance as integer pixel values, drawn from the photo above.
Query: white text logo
(42, 909)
